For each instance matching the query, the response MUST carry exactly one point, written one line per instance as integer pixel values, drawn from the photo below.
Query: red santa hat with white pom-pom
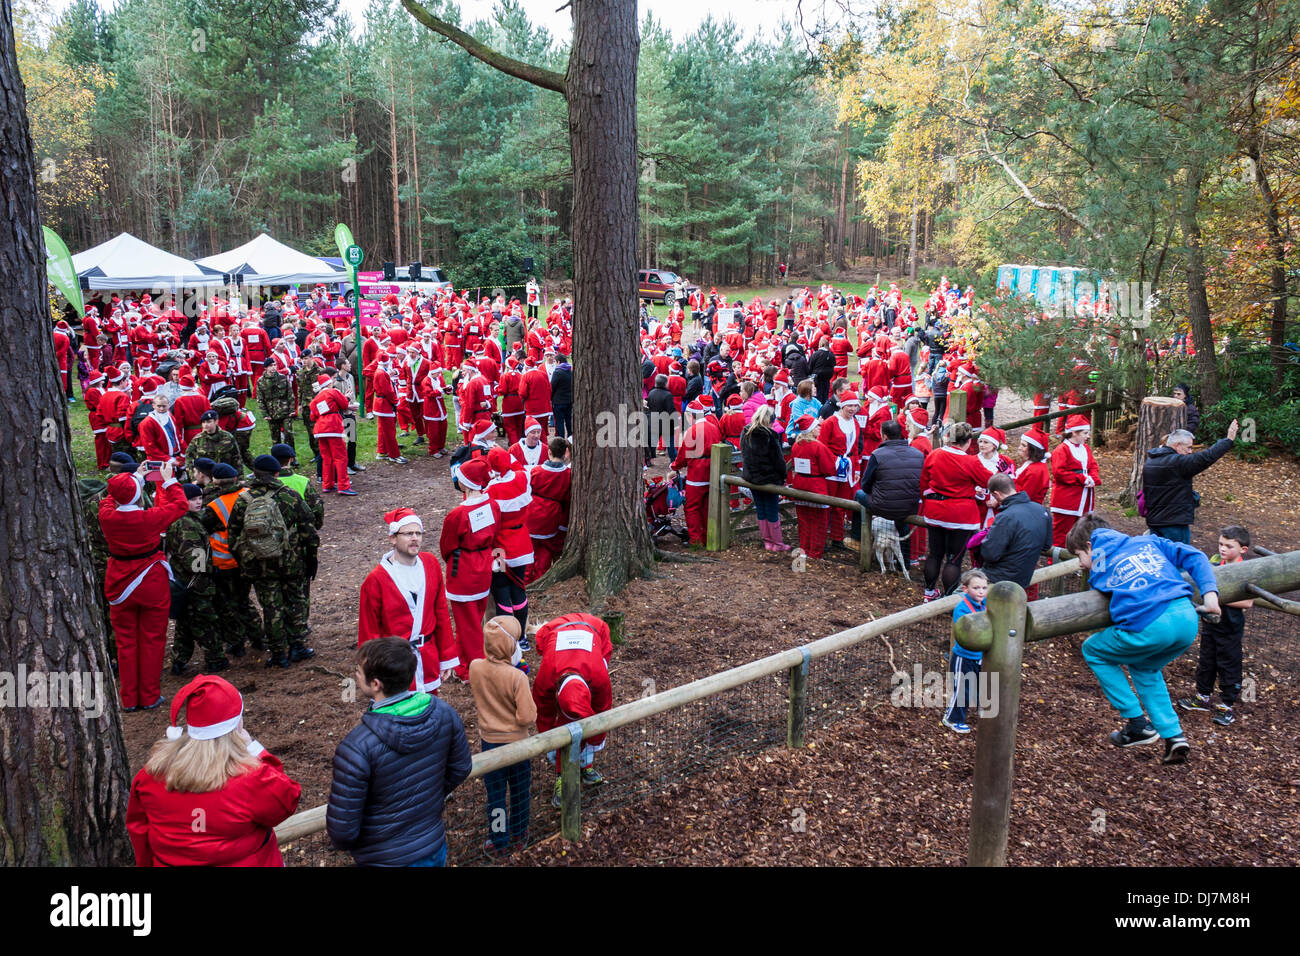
(213, 708)
(401, 517)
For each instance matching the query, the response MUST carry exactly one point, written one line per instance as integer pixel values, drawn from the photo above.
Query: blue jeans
(563, 415)
(506, 828)
(1144, 653)
(437, 859)
(766, 506)
(1181, 533)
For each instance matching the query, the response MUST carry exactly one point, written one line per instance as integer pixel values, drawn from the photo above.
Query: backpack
(140, 414)
(226, 406)
(265, 536)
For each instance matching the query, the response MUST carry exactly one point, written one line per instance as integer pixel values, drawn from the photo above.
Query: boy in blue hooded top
(1154, 621)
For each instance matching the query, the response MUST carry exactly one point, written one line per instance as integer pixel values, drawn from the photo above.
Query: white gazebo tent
(125, 262)
(265, 261)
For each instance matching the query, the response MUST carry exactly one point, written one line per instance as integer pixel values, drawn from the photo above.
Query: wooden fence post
(995, 746)
(719, 509)
(956, 405)
(571, 789)
(794, 727)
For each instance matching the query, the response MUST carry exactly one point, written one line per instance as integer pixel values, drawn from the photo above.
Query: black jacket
(760, 451)
(392, 775)
(694, 388)
(1020, 532)
(822, 365)
(661, 408)
(562, 385)
(892, 480)
(797, 362)
(1167, 482)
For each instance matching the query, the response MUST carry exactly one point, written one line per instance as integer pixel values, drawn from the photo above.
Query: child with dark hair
(1153, 623)
(393, 772)
(1221, 642)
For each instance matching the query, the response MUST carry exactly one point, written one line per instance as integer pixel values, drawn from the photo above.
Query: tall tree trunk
(63, 773)
(1198, 303)
(911, 252)
(841, 213)
(392, 147)
(1277, 267)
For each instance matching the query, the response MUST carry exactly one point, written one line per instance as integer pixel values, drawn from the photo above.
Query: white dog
(889, 545)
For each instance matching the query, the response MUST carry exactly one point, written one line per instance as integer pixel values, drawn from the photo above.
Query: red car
(658, 285)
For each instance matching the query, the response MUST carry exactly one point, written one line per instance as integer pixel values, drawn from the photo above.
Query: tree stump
(1157, 417)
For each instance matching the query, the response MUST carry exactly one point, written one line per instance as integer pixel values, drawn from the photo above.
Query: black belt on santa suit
(135, 557)
(455, 557)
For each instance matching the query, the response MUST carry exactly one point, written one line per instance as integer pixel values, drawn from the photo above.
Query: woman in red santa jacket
(404, 596)
(1075, 477)
(98, 427)
(989, 454)
(693, 457)
(572, 681)
(1033, 476)
(385, 409)
(138, 581)
(211, 773)
(509, 490)
(469, 545)
(811, 463)
(512, 403)
(949, 478)
(843, 437)
(434, 409)
(327, 408)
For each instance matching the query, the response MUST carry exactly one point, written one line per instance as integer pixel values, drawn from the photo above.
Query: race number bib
(322, 408)
(480, 517)
(802, 466)
(574, 640)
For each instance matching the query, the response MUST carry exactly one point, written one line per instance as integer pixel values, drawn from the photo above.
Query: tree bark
(1157, 417)
(63, 773)
(1277, 267)
(1198, 303)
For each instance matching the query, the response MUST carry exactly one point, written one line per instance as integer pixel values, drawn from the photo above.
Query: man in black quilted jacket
(392, 773)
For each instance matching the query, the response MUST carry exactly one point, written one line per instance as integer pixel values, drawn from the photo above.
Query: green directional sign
(354, 256)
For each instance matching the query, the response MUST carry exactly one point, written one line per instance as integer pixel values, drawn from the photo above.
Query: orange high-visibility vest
(220, 541)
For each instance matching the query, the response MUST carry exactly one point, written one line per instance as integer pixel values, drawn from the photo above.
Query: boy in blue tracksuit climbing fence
(1154, 621)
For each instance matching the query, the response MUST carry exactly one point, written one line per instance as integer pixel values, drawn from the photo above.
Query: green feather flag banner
(58, 266)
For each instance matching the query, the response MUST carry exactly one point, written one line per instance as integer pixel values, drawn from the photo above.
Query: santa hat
(699, 407)
(187, 380)
(1075, 422)
(474, 474)
(805, 422)
(850, 397)
(1036, 438)
(400, 517)
(734, 401)
(782, 378)
(116, 375)
(532, 425)
(574, 698)
(213, 708)
(920, 417)
(125, 488)
(322, 381)
(95, 379)
(498, 460)
(480, 429)
(995, 435)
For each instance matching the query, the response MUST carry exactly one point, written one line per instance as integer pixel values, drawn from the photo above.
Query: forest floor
(887, 785)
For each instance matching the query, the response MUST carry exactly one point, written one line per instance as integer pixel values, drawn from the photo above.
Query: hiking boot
(178, 668)
(278, 660)
(300, 652)
(1131, 738)
(556, 800)
(1176, 749)
(1196, 702)
(957, 727)
(1225, 717)
(591, 776)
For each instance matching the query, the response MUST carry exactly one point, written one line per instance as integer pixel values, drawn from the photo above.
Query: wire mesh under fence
(638, 760)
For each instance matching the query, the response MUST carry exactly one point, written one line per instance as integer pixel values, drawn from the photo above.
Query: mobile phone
(154, 465)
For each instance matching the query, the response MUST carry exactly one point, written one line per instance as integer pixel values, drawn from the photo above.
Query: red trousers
(437, 432)
(545, 551)
(334, 463)
(697, 513)
(140, 627)
(837, 517)
(386, 425)
(1061, 525)
(417, 416)
(514, 425)
(467, 617)
(812, 529)
(103, 451)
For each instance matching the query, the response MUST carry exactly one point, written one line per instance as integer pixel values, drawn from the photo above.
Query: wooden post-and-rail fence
(1001, 632)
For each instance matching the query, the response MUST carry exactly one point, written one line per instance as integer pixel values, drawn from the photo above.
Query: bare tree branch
(536, 75)
(1029, 195)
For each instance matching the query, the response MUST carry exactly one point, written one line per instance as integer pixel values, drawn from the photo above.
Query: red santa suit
(1034, 477)
(326, 410)
(949, 478)
(238, 820)
(188, 409)
(410, 602)
(843, 437)
(528, 458)
(840, 347)
(811, 463)
(90, 338)
(434, 411)
(512, 405)
(385, 409)
(476, 400)
(469, 533)
(137, 583)
(162, 439)
(1072, 465)
(512, 496)
(63, 351)
(900, 376)
(573, 679)
(257, 346)
(211, 374)
(693, 457)
(548, 515)
(535, 389)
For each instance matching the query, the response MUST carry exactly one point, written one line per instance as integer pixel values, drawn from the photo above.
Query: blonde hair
(810, 433)
(762, 417)
(199, 766)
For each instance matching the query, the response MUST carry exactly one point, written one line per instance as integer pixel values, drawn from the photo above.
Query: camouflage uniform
(275, 394)
(233, 604)
(306, 392)
(191, 562)
(282, 583)
(92, 493)
(220, 446)
(316, 504)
